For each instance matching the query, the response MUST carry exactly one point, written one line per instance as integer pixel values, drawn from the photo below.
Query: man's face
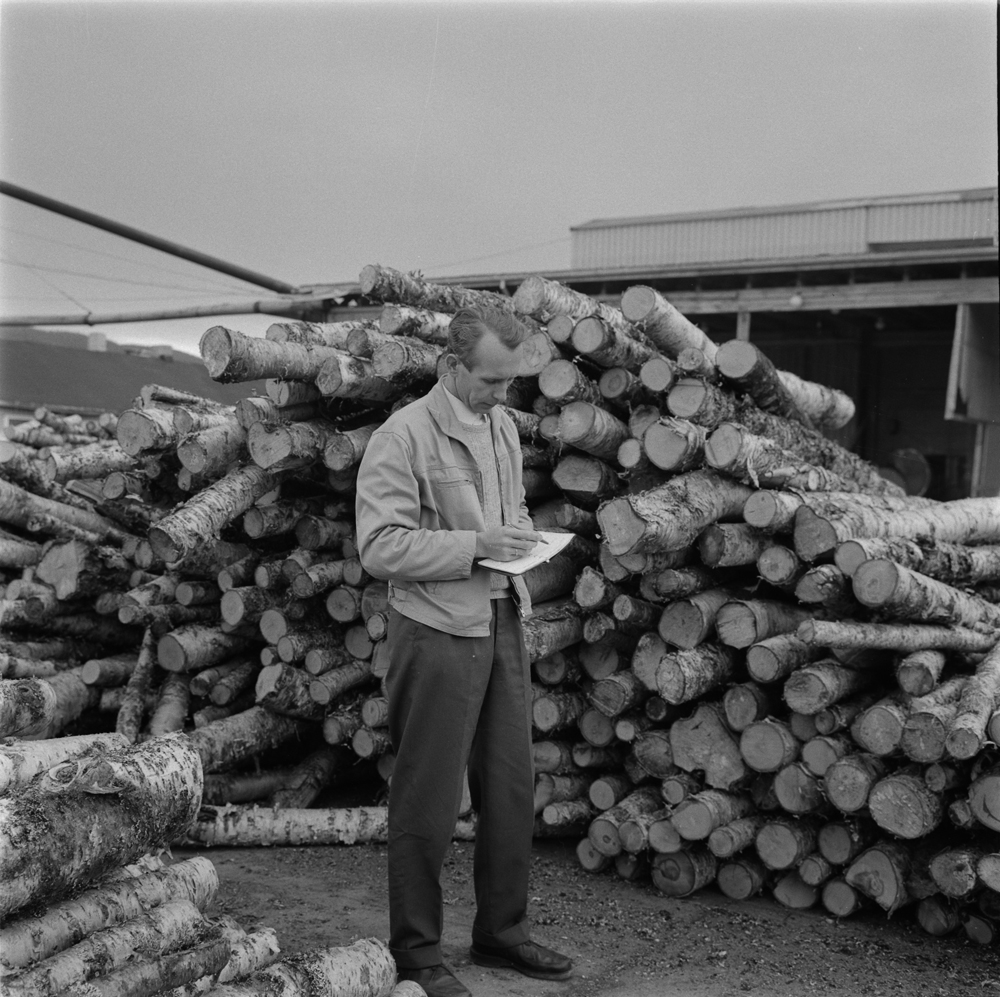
(492, 367)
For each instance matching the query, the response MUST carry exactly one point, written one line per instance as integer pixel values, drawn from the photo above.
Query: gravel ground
(627, 939)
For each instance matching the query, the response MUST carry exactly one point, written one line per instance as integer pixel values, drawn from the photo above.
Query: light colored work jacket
(420, 506)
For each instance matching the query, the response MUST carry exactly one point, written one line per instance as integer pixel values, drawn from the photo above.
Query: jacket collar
(444, 414)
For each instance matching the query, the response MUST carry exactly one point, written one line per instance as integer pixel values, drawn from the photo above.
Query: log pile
(92, 904)
(761, 664)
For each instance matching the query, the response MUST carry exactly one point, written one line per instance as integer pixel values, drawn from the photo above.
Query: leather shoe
(437, 981)
(528, 958)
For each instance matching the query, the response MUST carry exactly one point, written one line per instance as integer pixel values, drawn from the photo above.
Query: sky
(305, 140)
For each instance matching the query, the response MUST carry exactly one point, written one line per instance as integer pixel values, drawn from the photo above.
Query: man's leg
(502, 783)
(435, 685)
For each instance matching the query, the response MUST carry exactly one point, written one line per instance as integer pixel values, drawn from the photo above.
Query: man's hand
(505, 543)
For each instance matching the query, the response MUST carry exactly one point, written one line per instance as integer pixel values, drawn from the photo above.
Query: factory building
(891, 299)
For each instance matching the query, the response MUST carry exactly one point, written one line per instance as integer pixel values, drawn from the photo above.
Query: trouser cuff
(422, 958)
(508, 938)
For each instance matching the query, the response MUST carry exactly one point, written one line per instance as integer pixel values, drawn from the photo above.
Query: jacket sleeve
(391, 543)
(523, 517)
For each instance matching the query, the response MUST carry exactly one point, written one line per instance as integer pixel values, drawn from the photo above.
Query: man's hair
(469, 325)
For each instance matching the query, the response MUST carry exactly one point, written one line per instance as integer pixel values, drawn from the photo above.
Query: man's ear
(451, 362)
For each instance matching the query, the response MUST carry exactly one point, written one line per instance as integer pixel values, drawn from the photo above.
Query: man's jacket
(420, 507)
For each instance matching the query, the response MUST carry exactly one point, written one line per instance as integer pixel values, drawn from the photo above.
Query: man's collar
(464, 414)
(440, 407)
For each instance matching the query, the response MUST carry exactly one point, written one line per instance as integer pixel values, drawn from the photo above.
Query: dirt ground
(627, 939)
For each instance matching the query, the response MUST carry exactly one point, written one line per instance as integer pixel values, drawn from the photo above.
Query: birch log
(907, 594)
(671, 516)
(200, 519)
(30, 940)
(162, 787)
(231, 356)
(391, 286)
(669, 330)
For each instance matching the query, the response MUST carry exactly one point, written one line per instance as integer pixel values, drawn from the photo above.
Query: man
(439, 489)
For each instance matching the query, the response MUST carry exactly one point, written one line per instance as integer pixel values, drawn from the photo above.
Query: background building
(891, 299)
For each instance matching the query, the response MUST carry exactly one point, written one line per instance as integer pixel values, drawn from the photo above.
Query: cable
(503, 252)
(124, 259)
(59, 290)
(113, 280)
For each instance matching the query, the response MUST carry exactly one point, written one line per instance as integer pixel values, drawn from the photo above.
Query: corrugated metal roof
(827, 228)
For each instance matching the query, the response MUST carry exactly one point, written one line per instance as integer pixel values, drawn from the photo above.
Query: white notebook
(545, 549)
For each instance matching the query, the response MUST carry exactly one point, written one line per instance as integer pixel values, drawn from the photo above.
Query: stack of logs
(84, 821)
(760, 663)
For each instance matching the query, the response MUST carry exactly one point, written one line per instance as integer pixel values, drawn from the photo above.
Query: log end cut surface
(736, 358)
(622, 527)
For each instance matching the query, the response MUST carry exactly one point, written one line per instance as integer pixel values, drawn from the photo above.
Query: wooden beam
(743, 325)
(844, 297)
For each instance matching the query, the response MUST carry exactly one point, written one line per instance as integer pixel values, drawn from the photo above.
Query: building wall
(855, 228)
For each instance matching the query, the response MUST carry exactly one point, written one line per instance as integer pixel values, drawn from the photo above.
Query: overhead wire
(223, 285)
(56, 288)
(113, 280)
(502, 252)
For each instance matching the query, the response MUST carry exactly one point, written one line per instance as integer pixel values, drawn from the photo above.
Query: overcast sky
(304, 140)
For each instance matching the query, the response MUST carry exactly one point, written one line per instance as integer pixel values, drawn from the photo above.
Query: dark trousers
(457, 702)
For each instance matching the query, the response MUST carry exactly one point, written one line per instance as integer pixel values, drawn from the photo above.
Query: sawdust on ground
(627, 939)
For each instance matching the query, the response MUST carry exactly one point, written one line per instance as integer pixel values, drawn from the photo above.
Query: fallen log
(681, 873)
(685, 675)
(768, 745)
(20, 508)
(891, 637)
(979, 699)
(906, 594)
(724, 545)
(172, 705)
(603, 832)
(777, 657)
(672, 515)
(163, 793)
(816, 686)
(956, 564)
(848, 782)
(21, 761)
(783, 844)
(230, 356)
(285, 689)
(703, 742)
(592, 430)
(780, 391)
(29, 940)
(175, 924)
(225, 742)
(669, 330)
(962, 521)
(200, 519)
(609, 345)
(406, 320)
(197, 646)
(741, 878)
(881, 873)
(146, 978)
(333, 334)
(344, 376)
(252, 826)
(392, 287)
(743, 622)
